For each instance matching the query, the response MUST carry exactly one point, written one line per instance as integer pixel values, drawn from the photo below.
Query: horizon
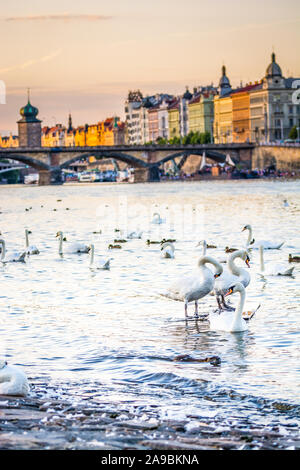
(90, 54)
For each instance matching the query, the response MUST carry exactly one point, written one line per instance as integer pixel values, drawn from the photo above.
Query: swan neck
(204, 247)
(2, 242)
(238, 317)
(26, 238)
(261, 256)
(249, 235)
(60, 250)
(92, 255)
(236, 270)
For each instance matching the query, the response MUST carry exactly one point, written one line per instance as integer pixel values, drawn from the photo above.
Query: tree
(294, 133)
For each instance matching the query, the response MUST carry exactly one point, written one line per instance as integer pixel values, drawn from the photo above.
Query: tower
(29, 127)
(224, 83)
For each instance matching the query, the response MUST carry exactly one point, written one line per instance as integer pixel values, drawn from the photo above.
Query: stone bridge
(146, 159)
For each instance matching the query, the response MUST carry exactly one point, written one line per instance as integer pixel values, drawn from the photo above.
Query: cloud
(64, 17)
(30, 62)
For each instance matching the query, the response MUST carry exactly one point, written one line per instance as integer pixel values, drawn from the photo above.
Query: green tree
(294, 133)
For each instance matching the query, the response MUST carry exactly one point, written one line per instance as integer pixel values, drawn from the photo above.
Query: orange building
(241, 131)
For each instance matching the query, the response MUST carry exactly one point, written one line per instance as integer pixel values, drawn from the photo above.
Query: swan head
(3, 364)
(247, 227)
(238, 287)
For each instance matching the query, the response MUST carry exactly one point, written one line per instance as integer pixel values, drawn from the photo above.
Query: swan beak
(244, 229)
(217, 275)
(247, 262)
(228, 292)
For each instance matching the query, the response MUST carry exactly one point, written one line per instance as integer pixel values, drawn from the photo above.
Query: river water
(110, 335)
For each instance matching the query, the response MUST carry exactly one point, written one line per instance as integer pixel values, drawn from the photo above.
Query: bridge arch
(124, 157)
(34, 163)
(216, 156)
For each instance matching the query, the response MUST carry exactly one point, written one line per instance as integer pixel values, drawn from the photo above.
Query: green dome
(29, 112)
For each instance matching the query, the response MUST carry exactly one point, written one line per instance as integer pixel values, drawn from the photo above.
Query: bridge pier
(144, 175)
(52, 176)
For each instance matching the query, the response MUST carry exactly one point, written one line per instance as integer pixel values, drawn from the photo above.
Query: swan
(231, 321)
(157, 219)
(135, 234)
(13, 380)
(13, 257)
(30, 249)
(102, 263)
(168, 250)
(230, 276)
(266, 244)
(73, 247)
(275, 270)
(204, 244)
(191, 288)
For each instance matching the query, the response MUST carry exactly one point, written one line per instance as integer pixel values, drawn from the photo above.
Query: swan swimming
(157, 219)
(266, 244)
(30, 249)
(72, 247)
(191, 288)
(231, 321)
(231, 275)
(168, 250)
(101, 263)
(13, 257)
(13, 380)
(274, 270)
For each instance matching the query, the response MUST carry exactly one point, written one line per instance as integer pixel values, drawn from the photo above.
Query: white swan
(30, 249)
(13, 381)
(231, 321)
(274, 270)
(101, 263)
(135, 234)
(230, 276)
(194, 287)
(204, 244)
(72, 247)
(168, 250)
(157, 219)
(251, 243)
(14, 257)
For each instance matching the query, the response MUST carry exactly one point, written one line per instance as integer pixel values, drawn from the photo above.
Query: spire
(224, 83)
(70, 126)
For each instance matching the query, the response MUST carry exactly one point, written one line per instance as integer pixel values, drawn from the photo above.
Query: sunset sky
(83, 57)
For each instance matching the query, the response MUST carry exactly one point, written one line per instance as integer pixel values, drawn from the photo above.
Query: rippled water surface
(110, 333)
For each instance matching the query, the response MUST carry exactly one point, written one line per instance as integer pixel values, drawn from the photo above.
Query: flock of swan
(213, 277)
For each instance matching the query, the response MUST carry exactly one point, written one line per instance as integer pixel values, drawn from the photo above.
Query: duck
(256, 244)
(30, 249)
(168, 250)
(191, 288)
(294, 258)
(103, 264)
(231, 274)
(14, 257)
(274, 270)
(72, 248)
(112, 247)
(13, 381)
(231, 321)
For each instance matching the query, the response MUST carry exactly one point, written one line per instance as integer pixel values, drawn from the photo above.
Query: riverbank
(38, 423)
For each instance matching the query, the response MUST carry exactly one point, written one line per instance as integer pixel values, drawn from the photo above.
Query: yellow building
(173, 116)
(201, 112)
(9, 142)
(223, 132)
